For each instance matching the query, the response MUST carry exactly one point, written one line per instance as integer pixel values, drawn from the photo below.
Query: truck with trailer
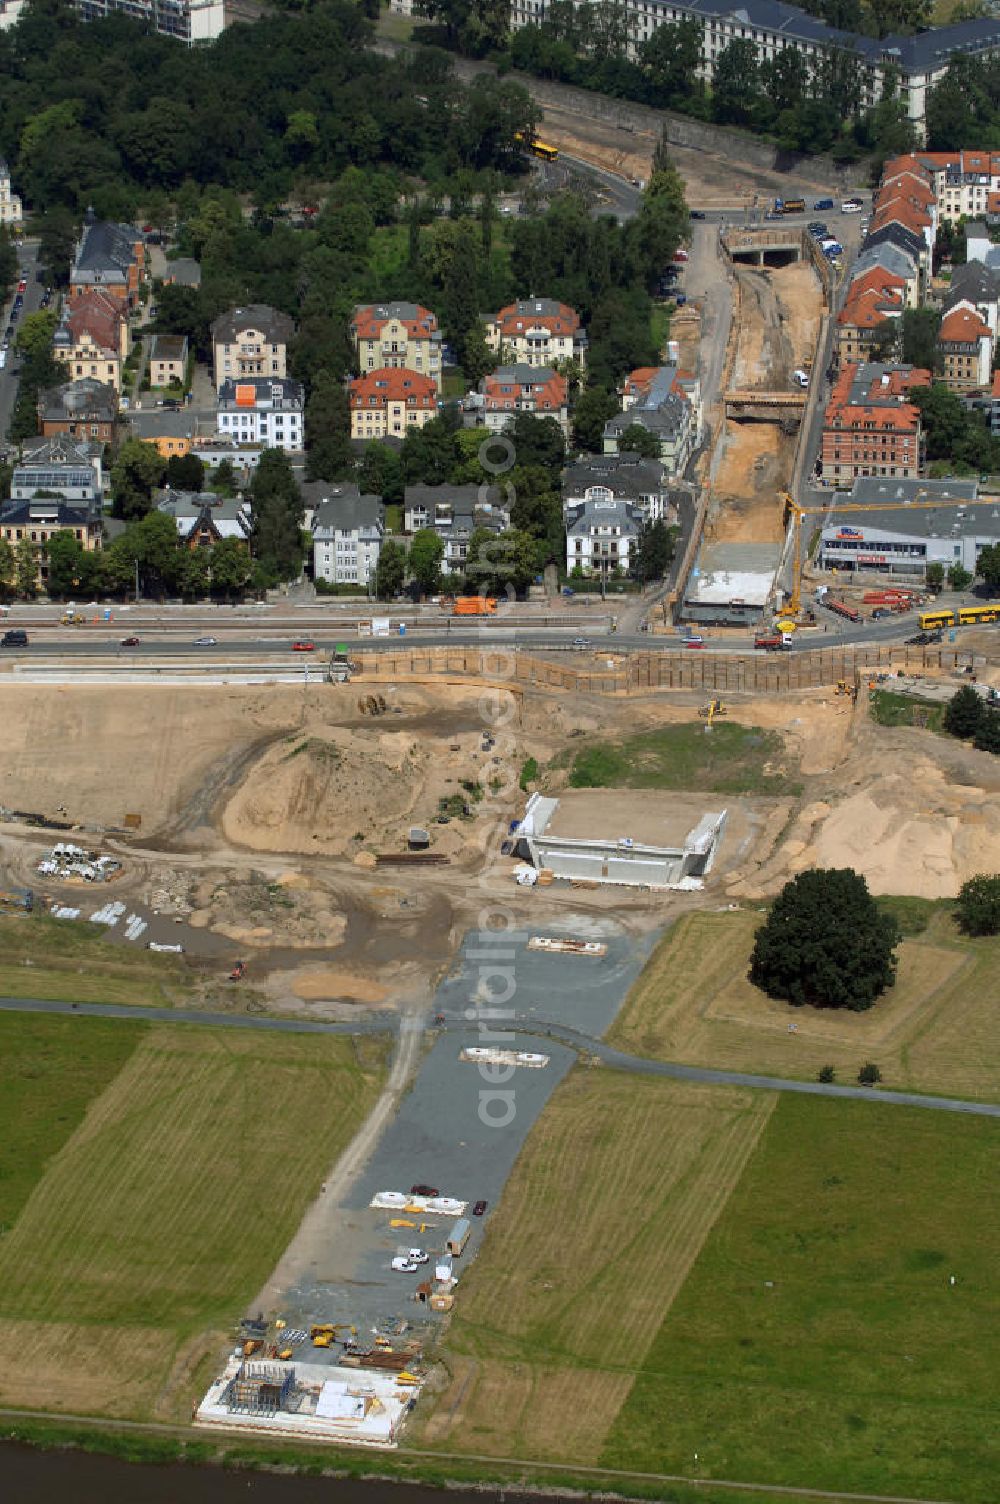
(841, 608)
(772, 642)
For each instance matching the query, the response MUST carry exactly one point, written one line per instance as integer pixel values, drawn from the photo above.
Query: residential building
(966, 347)
(993, 410)
(870, 427)
(110, 258)
(454, 512)
(621, 477)
(347, 531)
(168, 358)
(397, 336)
(204, 518)
(189, 21)
(92, 339)
(70, 468)
(874, 297)
(914, 64)
(537, 332)
(262, 411)
(510, 390)
(86, 409)
(42, 518)
(386, 402)
(601, 537)
(903, 542)
(251, 342)
(668, 406)
(173, 433)
(10, 13)
(183, 271)
(11, 212)
(883, 255)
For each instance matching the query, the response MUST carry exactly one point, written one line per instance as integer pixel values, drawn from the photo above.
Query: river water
(35, 1477)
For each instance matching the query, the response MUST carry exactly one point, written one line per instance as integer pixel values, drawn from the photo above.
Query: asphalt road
(10, 375)
(458, 1022)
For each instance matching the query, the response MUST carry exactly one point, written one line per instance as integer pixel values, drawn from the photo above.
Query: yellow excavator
(714, 708)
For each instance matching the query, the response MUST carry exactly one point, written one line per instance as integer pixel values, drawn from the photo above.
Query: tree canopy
(978, 907)
(825, 942)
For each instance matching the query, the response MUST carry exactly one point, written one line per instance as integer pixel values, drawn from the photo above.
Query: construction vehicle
(474, 605)
(285, 1354)
(251, 1346)
(843, 688)
(772, 642)
(841, 608)
(323, 1339)
(798, 513)
(710, 711)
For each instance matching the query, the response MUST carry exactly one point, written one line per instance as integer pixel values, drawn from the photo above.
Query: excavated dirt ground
(777, 324)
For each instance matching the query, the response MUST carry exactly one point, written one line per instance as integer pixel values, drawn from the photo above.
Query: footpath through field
(583, 1043)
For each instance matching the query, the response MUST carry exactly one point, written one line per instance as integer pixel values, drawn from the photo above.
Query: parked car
(303, 645)
(403, 1265)
(416, 1256)
(581, 642)
(15, 638)
(479, 1208)
(852, 206)
(696, 213)
(680, 299)
(129, 642)
(800, 377)
(206, 642)
(682, 255)
(424, 1190)
(823, 203)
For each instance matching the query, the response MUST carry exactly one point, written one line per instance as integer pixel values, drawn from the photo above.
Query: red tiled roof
(369, 321)
(96, 314)
(376, 388)
(502, 393)
(962, 326)
(519, 317)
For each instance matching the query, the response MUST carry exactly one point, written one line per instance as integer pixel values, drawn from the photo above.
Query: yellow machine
(323, 1339)
(402, 1222)
(709, 712)
(285, 1354)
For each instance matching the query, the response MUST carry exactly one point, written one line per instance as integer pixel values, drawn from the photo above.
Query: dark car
(696, 214)
(823, 203)
(129, 642)
(479, 1208)
(424, 1190)
(16, 638)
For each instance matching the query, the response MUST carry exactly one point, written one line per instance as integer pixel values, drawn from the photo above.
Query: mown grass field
(935, 1031)
(163, 1212)
(606, 1211)
(52, 1070)
(730, 759)
(57, 961)
(818, 1340)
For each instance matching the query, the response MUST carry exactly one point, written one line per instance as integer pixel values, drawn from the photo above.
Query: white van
(851, 206)
(802, 377)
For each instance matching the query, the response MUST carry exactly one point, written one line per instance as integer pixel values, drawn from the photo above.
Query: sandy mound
(326, 984)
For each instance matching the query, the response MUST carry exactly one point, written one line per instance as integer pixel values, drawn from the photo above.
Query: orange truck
(474, 605)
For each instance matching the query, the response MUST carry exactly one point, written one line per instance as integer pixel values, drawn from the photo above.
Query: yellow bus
(537, 148)
(931, 619)
(969, 616)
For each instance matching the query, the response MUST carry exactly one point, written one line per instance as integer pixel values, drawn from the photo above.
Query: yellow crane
(798, 513)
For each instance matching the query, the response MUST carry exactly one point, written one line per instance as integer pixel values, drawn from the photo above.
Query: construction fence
(641, 671)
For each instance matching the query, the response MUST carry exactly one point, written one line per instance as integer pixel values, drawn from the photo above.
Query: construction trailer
(458, 1237)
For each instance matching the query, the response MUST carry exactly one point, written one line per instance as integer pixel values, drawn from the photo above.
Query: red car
(129, 642)
(238, 972)
(22, 286)
(692, 644)
(681, 255)
(303, 646)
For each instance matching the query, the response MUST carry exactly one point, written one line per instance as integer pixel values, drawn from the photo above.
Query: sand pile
(911, 831)
(318, 792)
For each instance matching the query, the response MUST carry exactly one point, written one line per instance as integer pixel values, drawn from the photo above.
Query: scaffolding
(259, 1389)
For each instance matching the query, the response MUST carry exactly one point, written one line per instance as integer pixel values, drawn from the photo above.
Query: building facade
(42, 518)
(85, 409)
(510, 390)
(189, 21)
(262, 411)
(397, 336)
(204, 518)
(601, 537)
(168, 358)
(110, 259)
(870, 427)
(173, 433)
(386, 402)
(347, 531)
(454, 512)
(70, 468)
(11, 211)
(537, 332)
(668, 406)
(966, 347)
(620, 477)
(251, 342)
(92, 338)
(904, 539)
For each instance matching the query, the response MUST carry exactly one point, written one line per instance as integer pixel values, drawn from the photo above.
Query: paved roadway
(583, 1043)
(10, 375)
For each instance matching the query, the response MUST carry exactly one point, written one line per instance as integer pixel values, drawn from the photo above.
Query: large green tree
(978, 906)
(277, 512)
(390, 571)
(135, 474)
(426, 554)
(964, 713)
(826, 943)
